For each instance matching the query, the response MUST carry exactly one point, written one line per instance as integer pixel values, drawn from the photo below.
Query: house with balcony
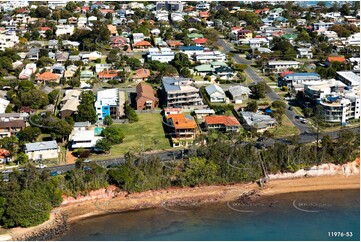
(163, 55)
(64, 30)
(179, 92)
(222, 123)
(181, 129)
(42, 150)
(8, 40)
(145, 97)
(280, 66)
(11, 127)
(110, 102)
(304, 53)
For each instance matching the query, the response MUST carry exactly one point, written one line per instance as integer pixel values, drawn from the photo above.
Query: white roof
(283, 63)
(350, 76)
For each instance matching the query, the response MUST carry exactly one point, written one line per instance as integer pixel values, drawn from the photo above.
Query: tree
(70, 6)
(86, 112)
(52, 96)
(104, 145)
(29, 134)
(130, 113)
(42, 12)
(44, 61)
(259, 90)
(60, 129)
(345, 9)
(198, 171)
(10, 143)
(180, 61)
(25, 86)
(108, 120)
(113, 134)
(22, 158)
(279, 104)
(34, 98)
(74, 82)
(252, 106)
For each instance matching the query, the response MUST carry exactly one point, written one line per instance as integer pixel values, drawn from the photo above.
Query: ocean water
(293, 216)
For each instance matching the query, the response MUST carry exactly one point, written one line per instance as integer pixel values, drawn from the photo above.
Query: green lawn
(286, 129)
(148, 129)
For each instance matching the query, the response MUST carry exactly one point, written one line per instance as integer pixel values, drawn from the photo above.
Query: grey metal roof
(239, 90)
(82, 124)
(214, 88)
(44, 145)
(173, 83)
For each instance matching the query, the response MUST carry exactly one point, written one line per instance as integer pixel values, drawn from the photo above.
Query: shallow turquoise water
(98, 131)
(294, 216)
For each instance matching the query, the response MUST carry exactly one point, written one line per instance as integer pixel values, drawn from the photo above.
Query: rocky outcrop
(58, 226)
(347, 169)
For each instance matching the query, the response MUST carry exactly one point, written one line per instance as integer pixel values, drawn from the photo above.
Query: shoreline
(124, 202)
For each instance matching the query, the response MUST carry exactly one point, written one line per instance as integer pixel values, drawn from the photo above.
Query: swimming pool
(98, 131)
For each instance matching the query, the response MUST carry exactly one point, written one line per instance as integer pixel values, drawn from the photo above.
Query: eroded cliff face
(348, 169)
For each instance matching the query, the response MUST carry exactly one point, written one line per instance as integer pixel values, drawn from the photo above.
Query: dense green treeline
(27, 197)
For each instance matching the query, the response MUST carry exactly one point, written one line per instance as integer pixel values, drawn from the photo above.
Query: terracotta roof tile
(142, 43)
(182, 121)
(336, 59)
(226, 120)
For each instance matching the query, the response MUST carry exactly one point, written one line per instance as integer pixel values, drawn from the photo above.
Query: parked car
(6, 171)
(87, 161)
(41, 166)
(304, 121)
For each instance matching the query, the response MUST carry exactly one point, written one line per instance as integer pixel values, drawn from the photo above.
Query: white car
(41, 166)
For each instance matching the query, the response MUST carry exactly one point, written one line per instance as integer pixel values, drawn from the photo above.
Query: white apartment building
(137, 37)
(209, 56)
(109, 102)
(349, 78)
(280, 66)
(255, 42)
(354, 39)
(163, 55)
(64, 30)
(322, 25)
(8, 40)
(178, 92)
(304, 53)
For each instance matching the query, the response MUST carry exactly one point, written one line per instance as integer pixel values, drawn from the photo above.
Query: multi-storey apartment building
(8, 40)
(110, 102)
(179, 92)
(182, 129)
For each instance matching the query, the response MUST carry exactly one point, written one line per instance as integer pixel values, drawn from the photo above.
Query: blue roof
(192, 47)
(303, 74)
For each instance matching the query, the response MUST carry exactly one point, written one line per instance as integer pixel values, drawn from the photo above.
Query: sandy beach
(196, 195)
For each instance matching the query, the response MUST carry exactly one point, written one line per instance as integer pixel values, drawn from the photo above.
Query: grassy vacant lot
(286, 129)
(148, 129)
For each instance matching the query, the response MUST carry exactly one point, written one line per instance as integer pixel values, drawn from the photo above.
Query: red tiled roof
(226, 120)
(44, 28)
(108, 74)
(145, 90)
(142, 73)
(283, 74)
(336, 59)
(204, 14)
(142, 43)
(174, 43)
(4, 153)
(47, 76)
(200, 40)
(86, 8)
(182, 121)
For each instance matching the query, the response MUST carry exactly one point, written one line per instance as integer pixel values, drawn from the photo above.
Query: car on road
(41, 166)
(304, 121)
(249, 56)
(299, 117)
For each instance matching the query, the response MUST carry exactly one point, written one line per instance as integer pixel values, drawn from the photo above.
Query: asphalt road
(256, 79)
